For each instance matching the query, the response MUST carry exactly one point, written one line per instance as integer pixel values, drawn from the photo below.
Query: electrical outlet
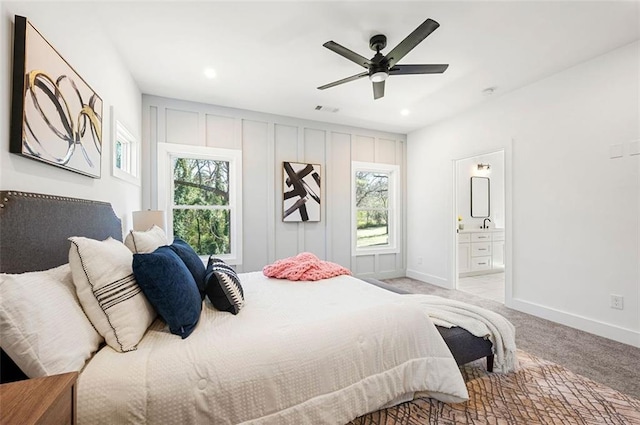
(617, 302)
(419, 260)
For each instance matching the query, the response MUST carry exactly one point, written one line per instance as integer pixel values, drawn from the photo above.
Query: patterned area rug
(540, 392)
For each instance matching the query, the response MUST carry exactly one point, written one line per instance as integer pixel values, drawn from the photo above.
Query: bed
(298, 352)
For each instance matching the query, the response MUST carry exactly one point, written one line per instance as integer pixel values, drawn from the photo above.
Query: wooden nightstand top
(40, 400)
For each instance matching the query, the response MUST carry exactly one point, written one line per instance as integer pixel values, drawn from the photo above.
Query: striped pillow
(222, 286)
(108, 292)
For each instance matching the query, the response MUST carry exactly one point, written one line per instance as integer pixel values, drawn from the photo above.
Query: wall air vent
(327, 108)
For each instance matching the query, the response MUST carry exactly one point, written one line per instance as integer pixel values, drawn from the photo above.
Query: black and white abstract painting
(301, 192)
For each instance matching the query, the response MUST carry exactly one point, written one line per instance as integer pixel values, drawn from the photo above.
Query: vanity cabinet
(497, 251)
(480, 252)
(464, 252)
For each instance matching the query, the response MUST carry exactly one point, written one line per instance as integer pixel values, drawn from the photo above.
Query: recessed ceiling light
(210, 73)
(405, 112)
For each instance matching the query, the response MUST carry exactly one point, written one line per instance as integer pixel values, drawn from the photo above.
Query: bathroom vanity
(480, 251)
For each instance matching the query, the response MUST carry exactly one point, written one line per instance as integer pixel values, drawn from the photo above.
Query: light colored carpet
(603, 360)
(539, 392)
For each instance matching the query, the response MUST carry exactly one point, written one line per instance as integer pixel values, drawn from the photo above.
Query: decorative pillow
(146, 241)
(108, 292)
(43, 327)
(193, 262)
(170, 288)
(223, 286)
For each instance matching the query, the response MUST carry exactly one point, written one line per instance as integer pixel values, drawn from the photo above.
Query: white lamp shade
(144, 220)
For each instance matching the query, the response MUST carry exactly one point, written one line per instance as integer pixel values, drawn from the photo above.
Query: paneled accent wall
(266, 142)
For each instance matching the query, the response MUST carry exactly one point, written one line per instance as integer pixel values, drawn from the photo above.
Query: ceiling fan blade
(346, 53)
(344, 80)
(411, 41)
(417, 69)
(378, 90)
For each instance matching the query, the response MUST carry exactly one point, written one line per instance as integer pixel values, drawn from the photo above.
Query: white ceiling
(269, 56)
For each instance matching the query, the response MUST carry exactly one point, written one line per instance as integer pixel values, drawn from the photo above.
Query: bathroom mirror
(480, 197)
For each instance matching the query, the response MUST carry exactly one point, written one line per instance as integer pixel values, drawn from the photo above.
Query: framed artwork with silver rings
(56, 117)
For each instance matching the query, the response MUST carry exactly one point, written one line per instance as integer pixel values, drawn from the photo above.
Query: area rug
(540, 392)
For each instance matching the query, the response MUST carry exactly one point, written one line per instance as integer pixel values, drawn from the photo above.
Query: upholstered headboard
(34, 229)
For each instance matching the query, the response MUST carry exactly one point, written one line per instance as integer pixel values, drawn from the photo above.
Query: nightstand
(48, 400)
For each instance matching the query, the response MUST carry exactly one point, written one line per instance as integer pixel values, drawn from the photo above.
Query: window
(124, 151)
(125, 154)
(374, 199)
(200, 189)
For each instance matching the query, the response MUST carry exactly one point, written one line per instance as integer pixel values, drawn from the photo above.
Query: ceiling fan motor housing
(377, 67)
(378, 42)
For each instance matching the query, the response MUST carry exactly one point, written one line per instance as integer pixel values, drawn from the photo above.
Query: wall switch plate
(616, 151)
(617, 302)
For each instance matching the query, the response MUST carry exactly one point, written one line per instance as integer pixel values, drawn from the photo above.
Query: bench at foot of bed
(464, 346)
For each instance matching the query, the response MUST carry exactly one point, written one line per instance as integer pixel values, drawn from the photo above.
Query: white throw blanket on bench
(478, 321)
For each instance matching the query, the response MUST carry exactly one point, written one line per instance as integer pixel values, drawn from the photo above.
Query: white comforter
(319, 352)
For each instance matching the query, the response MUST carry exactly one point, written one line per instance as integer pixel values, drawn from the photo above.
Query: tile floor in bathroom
(489, 286)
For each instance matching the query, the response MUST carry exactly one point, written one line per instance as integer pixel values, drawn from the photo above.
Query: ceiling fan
(379, 67)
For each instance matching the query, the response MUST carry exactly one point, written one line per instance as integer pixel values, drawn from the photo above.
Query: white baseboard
(428, 278)
(382, 275)
(606, 330)
(391, 274)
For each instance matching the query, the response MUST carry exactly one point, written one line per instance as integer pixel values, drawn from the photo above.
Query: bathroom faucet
(484, 223)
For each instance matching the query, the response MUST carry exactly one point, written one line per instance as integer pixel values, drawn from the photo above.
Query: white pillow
(108, 292)
(143, 242)
(43, 327)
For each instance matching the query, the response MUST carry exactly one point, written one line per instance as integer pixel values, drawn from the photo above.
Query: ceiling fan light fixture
(378, 77)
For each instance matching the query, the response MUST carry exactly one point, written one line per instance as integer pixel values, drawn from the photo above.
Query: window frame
(393, 217)
(129, 171)
(167, 152)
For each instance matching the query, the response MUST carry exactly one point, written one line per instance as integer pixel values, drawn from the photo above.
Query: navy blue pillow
(170, 288)
(192, 261)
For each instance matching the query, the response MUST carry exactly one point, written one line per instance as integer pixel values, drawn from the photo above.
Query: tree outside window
(201, 210)
(374, 207)
(200, 188)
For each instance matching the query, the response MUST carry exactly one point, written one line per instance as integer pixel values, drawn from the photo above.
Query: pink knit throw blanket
(304, 266)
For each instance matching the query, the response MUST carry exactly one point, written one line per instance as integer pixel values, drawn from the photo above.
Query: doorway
(480, 216)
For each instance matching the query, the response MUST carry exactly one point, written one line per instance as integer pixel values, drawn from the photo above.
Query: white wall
(572, 212)
(467, 168)
(93, 57)
(266, 141)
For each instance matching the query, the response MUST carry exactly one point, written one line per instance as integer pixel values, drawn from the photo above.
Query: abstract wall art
(55, 116)
(301, 192)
